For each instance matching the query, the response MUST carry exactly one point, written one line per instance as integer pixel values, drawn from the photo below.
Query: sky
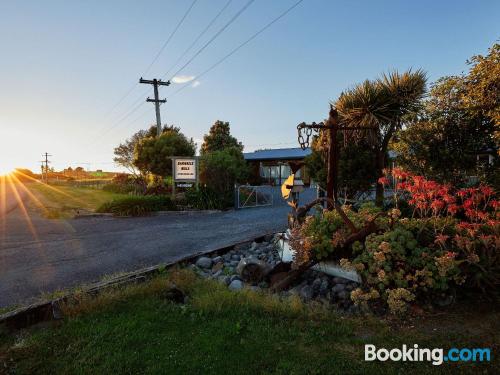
(64, 66)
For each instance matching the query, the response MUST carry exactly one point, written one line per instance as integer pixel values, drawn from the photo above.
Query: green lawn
(136, 330)
(63, 201)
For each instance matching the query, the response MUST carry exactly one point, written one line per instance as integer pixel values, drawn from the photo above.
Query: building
(273, 166)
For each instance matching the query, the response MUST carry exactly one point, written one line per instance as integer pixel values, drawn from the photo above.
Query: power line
(165, 44)
(242, 45)
(170, 37)
(215, 36)
(203, 32)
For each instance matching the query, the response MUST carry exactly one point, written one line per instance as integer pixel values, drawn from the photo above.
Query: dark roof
(278, 154)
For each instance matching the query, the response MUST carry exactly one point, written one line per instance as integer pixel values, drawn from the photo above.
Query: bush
(137, 205)
(204, 198)
(450, 244)
(220, 170)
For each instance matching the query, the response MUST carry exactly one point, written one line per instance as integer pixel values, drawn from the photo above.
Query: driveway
(40, 255)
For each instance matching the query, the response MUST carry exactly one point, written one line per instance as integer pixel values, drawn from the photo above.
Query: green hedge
(137, 205)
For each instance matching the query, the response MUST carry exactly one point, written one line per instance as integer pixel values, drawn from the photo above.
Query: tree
(461, 118)
(356, 165)
(219, 138)
(384, 105)
(221, 169)
(153, 154)
(482, 94)
(124, 152)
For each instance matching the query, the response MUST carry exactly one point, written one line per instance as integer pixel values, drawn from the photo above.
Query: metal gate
(254, 196)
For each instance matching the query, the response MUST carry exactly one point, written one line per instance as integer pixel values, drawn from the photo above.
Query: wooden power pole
(156, 82)
(45, 168)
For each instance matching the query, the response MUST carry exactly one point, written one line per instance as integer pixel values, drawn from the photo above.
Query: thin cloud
(196, 84)
(182, 79)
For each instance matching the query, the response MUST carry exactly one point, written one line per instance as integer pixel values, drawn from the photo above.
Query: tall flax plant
(383, 104)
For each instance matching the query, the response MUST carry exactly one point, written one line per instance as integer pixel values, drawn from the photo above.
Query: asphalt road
(48, 255)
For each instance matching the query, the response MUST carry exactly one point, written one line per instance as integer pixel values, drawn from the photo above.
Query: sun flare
(5, 170)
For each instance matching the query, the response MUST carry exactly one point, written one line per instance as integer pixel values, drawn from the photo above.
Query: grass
(136, 330)
(63, 201)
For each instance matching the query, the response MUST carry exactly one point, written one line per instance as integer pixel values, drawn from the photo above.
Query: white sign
(185, 169)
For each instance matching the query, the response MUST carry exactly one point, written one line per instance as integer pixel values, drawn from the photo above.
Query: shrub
(137, 205)
(220, 170)
(450, 243)
(119, 188)
(204, 198)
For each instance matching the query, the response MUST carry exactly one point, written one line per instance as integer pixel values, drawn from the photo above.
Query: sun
(5, 170)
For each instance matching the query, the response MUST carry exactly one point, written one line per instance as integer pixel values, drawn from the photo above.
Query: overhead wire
(252, 37)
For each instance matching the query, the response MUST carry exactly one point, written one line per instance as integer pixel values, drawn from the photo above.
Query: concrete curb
(50, 309)
(159, 213)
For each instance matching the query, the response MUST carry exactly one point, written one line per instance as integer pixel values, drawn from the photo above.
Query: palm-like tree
(382, 104)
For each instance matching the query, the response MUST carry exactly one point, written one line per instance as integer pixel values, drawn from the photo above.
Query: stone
(204, 262)
(306, 293)
(234, 277)
(226, 257)
(234, 263)
(338, 288)
(236, 285)
(343, 295)
(235, 257)
(252, 270)
(316, 285)
(254, 246)
(217, 259)
(174, 294)
(323, 288)
(350, 287)
(263, 285)
(217, 267)
(217, 273)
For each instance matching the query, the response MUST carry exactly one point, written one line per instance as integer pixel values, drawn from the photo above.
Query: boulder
(204, 262)
(252, 270)
(236, 285)
(337, 288)
(306, 293)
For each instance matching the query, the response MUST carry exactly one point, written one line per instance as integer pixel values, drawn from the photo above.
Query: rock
(343, 295)
(234, 263)
(217, 267)
(204, 262)
(316, 285)
(234, 277)
(254, 246)
(268, 237)
(226, 257)
(350, 287)
(174, 294)
(235, 257)
(252, 270)
(236, 285)
(323, 288)
(306, 293)
(338, 288)
(217, 273)
(340, 280)
(217, 259)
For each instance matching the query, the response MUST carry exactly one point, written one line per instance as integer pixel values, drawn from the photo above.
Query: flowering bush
(451, 239)
(465, 222)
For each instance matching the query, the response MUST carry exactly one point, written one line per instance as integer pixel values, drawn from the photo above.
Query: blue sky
(65, 64)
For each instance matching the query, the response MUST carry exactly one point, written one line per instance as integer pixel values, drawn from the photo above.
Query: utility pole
(46, 167)
(156, 82)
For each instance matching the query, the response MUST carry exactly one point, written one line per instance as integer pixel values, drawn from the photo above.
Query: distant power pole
(46, 167)
(156, 82)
